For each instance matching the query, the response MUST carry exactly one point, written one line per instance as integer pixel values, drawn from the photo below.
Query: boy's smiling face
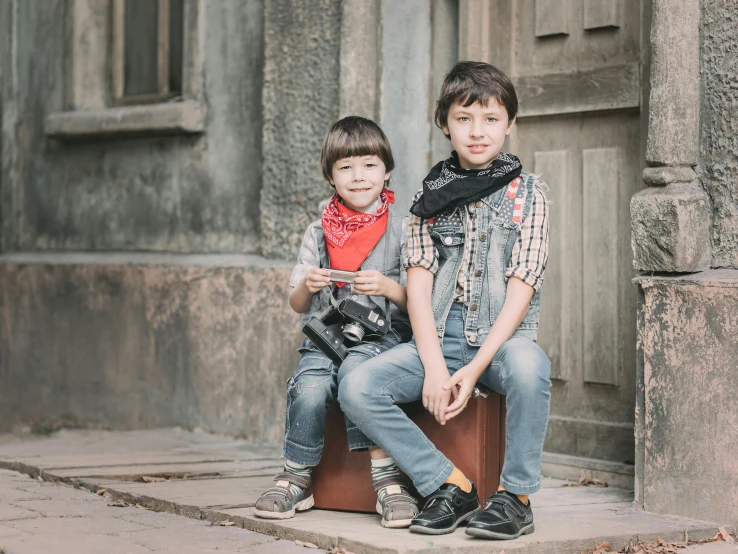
(478, 132)
(359, 180)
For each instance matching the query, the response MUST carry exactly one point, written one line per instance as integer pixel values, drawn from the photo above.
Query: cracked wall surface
(687, 424)
(719, 125)
(129, 344)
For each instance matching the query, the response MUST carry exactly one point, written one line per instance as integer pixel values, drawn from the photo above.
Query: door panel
(577, 69)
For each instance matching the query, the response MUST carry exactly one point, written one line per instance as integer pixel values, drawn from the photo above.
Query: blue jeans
(520, 370)
(311, 390)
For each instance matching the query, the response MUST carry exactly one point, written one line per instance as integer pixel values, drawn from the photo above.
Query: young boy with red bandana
(360, 232)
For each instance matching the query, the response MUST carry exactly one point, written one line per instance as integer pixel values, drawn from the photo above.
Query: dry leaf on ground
(119, 504)
(148, 479)
(306, 544)
(100, 492)
(587, 480)
(660, 546)
(723, 532)
(142, 507)
(226, 523)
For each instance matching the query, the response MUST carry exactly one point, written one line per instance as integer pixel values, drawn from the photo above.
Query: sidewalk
(212, 478)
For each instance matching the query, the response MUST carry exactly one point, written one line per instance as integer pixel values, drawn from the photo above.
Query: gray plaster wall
(130, 341)
(181, 193)
(719, 125)
(301, 101)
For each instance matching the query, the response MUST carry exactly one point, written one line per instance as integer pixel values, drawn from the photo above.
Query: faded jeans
(309, 393)
(370, 393)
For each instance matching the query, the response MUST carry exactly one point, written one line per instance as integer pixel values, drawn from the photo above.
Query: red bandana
(349, 235)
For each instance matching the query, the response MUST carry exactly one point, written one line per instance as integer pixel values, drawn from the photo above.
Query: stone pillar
(671, 219)
(301, 101)
(361, 35)
(687, 355)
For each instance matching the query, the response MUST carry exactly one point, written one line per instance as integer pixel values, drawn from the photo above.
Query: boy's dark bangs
(360, 142)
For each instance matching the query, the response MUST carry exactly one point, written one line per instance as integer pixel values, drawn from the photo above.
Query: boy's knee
(526, 363)
(349, 390)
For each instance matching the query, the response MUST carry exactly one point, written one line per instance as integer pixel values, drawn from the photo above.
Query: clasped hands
(439, 387)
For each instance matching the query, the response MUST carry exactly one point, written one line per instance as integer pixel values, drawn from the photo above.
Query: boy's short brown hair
(354, 136)
(472, 82)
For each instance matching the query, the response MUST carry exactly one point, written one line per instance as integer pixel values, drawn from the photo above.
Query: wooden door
(578, 69)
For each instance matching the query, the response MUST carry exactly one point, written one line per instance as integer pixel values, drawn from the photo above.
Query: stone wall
(719, 125)
(301, 101)
(129, 341)
(187, 193)
(686, 421)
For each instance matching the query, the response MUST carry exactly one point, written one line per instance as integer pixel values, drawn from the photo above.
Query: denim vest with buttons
(497, 237)
(391, 267)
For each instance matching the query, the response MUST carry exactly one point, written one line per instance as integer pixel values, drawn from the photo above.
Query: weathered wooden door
(578, 67)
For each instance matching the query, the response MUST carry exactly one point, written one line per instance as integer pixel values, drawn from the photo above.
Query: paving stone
(712, 548)
(9, 532)
(568, 519)
(203, 537)
(81, 526)
(10, 512)
(85, 506)
(71, 544)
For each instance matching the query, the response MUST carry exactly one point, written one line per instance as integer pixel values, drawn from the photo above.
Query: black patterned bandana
(448, 185)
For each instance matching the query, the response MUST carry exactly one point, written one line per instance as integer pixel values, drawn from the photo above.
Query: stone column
(671, 218)
(361, 36)
(301, 100)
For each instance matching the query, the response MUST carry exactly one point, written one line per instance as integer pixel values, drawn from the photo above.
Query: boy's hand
(317, 279)
(435, 397)
(462, 385)
(370, 282)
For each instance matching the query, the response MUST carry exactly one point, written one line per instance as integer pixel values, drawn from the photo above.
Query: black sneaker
(504, 517)
(445, 509)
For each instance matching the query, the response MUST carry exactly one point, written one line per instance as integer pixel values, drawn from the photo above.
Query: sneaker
(278, 502)
(397, 507)
(445, 509)
(504, 517)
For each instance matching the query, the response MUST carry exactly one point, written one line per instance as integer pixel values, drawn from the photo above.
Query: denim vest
(497, 237)
(386, 257)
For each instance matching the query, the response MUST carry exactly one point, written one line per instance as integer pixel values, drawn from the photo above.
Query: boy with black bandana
(477, 251)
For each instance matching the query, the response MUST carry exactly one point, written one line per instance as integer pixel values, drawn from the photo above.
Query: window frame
(117, 39)
(91, 105)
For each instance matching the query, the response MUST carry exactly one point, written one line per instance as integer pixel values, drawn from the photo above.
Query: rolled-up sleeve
(530, 253)
(421, 251)
(307, 257)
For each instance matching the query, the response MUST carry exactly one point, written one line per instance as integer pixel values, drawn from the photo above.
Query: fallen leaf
(306, 544)
(586, 480)
(226, 523)
(100, 492)
(147, 479)
(142, 507)
(725, 535)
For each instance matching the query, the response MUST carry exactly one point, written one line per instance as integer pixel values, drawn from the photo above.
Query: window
(147, 48)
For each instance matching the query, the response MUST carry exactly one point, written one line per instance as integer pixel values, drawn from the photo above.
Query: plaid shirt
(529, 255)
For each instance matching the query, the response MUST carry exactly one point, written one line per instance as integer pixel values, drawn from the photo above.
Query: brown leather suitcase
(473, 441)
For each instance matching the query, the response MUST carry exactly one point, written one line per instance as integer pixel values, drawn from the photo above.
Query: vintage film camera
(340, 327)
